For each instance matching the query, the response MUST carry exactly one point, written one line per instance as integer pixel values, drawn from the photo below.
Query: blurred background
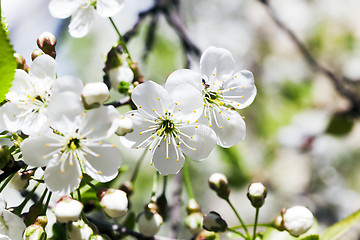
(303, 132)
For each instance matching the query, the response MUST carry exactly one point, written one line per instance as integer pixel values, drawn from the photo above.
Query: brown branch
(14, 168)
(175, 208)
(341, 85)
(120, 102)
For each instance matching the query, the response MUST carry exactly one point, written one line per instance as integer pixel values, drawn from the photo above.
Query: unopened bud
(67, 209)
(20, 180)
(256, 194)
(192, 206)
(36, 53)
(5, 157)
(149, 223)
(194, 222)
(214, 222)
(125, 125)
(127, 187)
(114, 202)
(46, 42)
(219, 183)
(94, 94)
(97, 237)
(120, 78)
(206, 235)
(78, 230)
(21, 63)
(36, 231)
(296, 220)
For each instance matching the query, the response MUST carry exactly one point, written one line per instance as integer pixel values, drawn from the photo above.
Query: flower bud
(214, 222)
(219, 183)
(36, 53)
(206, 235)
(127, 187)
(257, 194)
(67, 209)
(114, 202)
(21, 63)
(78, 230)
(149, 223)
(194, 222)
(36, 231)
(94, 94)
(296, 220)
(192, 206)
(125, 125)
(20, 180)
(46, 42)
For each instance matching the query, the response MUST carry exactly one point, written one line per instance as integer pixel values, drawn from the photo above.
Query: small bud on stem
(257, 194)
(219, 183)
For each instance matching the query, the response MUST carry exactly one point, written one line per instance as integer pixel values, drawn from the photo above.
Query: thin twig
(121, 102)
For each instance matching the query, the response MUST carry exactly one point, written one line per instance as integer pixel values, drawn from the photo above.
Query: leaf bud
(125, 125)
(36, 53)
(46, 42)
(20, 180)
(257, 194)
(21, 63)
(213, 222)
(114, 202)
(149, 223)
(296, 220)
(78, 230)
(94, 94)
(67, 209)
(219, 183)
(194, 222)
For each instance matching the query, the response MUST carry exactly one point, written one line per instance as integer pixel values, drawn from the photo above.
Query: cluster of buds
(150, 221)
(296, 220)
(114, 202)
(194, 219)
(94, 94)
(67, 209)
(36, 231)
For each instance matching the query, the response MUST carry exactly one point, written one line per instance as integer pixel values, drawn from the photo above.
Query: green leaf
(337, 230)
(340, 124)
(7, 64)
(311, 237)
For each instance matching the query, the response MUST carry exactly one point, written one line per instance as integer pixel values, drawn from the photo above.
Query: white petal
(64, 111)
(233, 127)
(20, 86)
(168, 166)
(43, 66)
(188, 103)
(199, 140)
(63, 8)
(3, 237)
(140, 124)
(108, 8)
(100, 122)
(15, 225)
(183, 76)
(35, 122)
(150, 96)
(8, 116)
(218, 61)
(68, 83)
(81, 22)
(243, 89)
(35, 148)
(62, 182)
(105, 167)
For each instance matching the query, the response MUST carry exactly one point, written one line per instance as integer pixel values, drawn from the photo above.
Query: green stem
(5, 136)
(137, 167)
(121, 38)
(6, 182)
(237, 232)
(47, 203)
(164, 185)
(88, 182)
(252, 225)
(238, 216)
(187, 181)
(90, 224)
(28, 197)
(78, 194)
(155, 186)
(255, 222)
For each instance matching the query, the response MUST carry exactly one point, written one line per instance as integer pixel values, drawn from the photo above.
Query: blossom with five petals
(82, 12)
(167, 124)
(222, 90)
(76, 144)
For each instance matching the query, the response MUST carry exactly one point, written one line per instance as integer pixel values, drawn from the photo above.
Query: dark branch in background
(342, 85)
(14, 168)
(171, 11)
(121, 102)
(175, 208)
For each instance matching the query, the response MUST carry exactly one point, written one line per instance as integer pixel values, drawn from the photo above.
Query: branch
(120, 102)
(175, 208)
(7, 172)
(339, 84)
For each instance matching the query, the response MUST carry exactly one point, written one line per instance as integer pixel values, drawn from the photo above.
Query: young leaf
(7, 63)
(337, 230)
(311, 237)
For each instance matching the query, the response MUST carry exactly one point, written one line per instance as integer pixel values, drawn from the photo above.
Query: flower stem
(5, 136)
(237, 232)
(28, 197)
(252, 225)
(88, 182)
(238, 216)
(255, 222)
(187, 181)
(155, 186)
(121, 38)
(137, 167)
(78, 194)
(164, 185)
(7, 181)
(47, 203)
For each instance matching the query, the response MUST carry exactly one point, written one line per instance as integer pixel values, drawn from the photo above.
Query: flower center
(166, 126)
(73, 143)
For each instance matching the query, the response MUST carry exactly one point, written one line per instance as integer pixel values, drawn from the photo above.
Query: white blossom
(297, 220)
(167, 124)
(82, 12)
(222, 90)
(77, 142)
(79, 230)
